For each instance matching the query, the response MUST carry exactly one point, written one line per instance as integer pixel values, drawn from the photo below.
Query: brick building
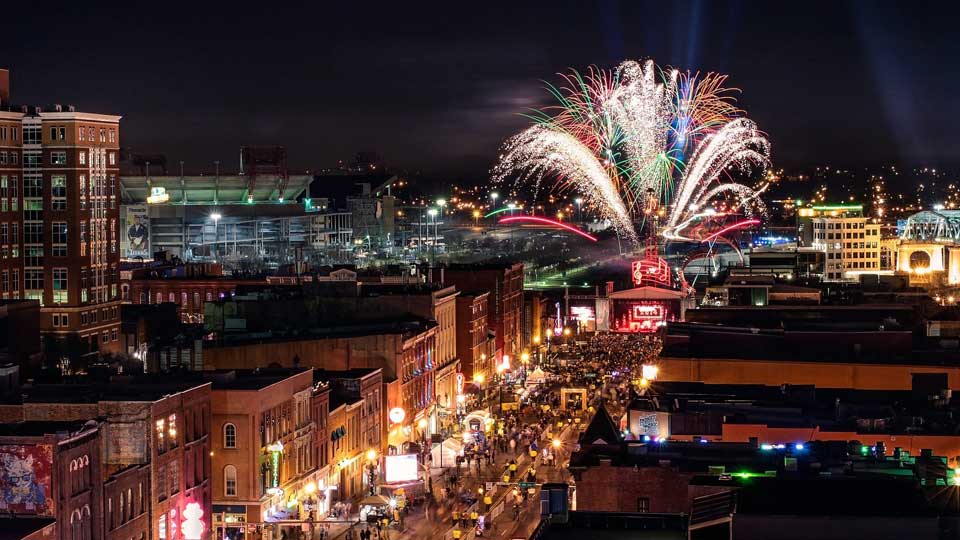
(63, 461)
(158, 439)
(264, 449)
(59, 218)
(404, 350)
(472, 334)
(504, 281)
(189, 287)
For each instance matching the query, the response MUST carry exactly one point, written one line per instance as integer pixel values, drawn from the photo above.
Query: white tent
(445, 453)
(535, 377)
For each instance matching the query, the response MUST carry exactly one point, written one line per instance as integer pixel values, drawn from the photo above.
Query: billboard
(25, 472)
(136, 232)
(401, 468)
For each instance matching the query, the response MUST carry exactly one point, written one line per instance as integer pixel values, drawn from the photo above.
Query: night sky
(436, 88)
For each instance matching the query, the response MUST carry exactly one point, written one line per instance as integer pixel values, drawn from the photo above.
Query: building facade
(263, 457)
(505, 302)
(59, 219)
(850, 242)
(472, 334)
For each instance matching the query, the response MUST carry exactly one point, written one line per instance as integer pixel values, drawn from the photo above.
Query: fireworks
(637, 137)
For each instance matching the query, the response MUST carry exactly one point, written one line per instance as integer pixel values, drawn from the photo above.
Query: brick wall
(606, 488)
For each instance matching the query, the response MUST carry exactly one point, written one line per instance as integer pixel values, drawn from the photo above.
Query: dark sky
(436, 87)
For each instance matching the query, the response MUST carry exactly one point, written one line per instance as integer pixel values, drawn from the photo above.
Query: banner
(136, 236)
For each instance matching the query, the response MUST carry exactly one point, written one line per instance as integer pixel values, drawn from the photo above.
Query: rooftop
(250, 379)
(142, 388)
(17, 528)
(36, 428)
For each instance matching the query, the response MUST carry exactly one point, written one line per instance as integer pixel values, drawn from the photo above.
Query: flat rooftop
(36, 428)
(148, 388)
(250, 379)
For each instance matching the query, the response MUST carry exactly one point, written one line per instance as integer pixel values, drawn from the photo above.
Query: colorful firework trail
(625, 137)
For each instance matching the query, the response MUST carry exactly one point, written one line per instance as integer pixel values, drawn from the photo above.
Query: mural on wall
(25, 473)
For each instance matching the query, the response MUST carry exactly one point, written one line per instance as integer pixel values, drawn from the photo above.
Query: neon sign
(653, 270)
(459, 383)
(275, 449)
(192, 524)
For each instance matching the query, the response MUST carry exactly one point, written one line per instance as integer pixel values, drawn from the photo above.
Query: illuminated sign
(643, 318)
(397, 415)
(651, 270)
(582, 313)
(459, 383)
(276, 450)
(400, 468)
(192, 524)
(158, 195)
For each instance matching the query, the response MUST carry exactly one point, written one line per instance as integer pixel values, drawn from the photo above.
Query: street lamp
(476, 218)
(511, 206)
(493, 197)
(441, 202)
(433, 239)
(579, 202)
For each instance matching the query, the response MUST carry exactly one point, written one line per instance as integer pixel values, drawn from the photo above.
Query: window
(113, 135)
(230, 481)
(113, 158)
(171, 426)
(34, 278)
(83, 158)
(173, 473)
(113, 334)
(162, 527)
(103, 135)
(58, 192)
(58, 158)
(31, 135)
(643, 505)
(161, 430)
(82, 133)
(229, 436)
(58, 233)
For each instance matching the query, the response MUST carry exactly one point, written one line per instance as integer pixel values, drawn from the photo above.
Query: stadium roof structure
(212, 189)
(933, 225)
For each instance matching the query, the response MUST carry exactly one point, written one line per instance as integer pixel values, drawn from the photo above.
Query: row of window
(89, 133)
(126, 509)
(9, 158)
(10, 133)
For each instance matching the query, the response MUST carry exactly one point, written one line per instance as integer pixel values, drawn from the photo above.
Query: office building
(59, 218)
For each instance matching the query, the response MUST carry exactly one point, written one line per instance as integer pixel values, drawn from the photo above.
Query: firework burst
(640, 135)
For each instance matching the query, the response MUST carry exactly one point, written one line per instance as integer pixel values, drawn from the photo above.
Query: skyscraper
(59, 218)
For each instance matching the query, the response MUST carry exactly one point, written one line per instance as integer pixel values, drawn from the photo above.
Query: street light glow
(371, 454)
(215, 216)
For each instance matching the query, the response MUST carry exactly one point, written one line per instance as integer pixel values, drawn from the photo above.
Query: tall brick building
(504, 281)
(59, 216)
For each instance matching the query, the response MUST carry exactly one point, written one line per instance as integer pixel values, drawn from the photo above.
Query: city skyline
(828, 82)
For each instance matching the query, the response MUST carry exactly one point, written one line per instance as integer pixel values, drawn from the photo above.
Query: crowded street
(492, 488)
